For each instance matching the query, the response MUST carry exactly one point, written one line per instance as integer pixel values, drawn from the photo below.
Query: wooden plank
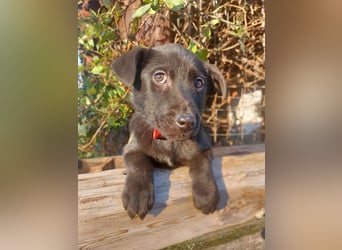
(242, 236)
(93, 165)
(104, 224)
(111, 162)
(237, 150)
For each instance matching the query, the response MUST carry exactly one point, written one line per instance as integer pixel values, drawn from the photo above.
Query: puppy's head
(169, 84)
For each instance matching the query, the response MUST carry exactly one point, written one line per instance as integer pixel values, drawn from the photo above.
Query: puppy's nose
(185, 121)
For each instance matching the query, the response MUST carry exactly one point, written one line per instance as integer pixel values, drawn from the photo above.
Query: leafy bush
(102, 100)
(229, 34)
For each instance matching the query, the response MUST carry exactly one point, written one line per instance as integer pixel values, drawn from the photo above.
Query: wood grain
(104, 224)
(98, 164)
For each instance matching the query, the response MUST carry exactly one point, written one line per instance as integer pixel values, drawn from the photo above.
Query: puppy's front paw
(205, 197)
(138, 197)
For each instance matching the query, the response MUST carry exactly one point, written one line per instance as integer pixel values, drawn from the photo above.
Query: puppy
(169, 85)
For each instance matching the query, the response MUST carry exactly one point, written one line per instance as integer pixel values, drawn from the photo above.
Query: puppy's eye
(199, 83)
(160, 77)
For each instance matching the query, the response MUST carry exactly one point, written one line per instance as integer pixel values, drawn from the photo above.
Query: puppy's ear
(216, 78)
(127, 67)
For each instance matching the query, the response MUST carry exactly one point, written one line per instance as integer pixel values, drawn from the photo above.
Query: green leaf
(141, 11)
(95, 59)
(83, 129)
(214, 22)
(81, 68)
(207, 32)
(242, 32)
(81, 41)
(87, 101)
(152, 11)
(107, 2)
(120, 91)
(89, 155)
(104, 110)
(91, 43)
(91, 91)
(174, 5)
(97, 69)
(192, 47)
(202, 54)
(112, 121)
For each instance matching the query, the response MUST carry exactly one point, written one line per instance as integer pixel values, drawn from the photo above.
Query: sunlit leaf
(214, 22)
(91, 91)
(206, 32)
(202, 54)
(81, 68)
(141, 11)
(87, 101)
(81, 41)
(83, 129)
(174, 5)
(120, 91)
(152, 11)
(91, 43)
(192, 47)
(97, 69)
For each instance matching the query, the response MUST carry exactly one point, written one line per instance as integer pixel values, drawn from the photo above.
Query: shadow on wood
(224, 197)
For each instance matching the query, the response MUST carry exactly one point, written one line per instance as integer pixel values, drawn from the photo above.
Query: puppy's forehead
(175, 56)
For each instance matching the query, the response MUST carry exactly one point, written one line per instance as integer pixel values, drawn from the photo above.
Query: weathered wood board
(103, 223)
(93, 165)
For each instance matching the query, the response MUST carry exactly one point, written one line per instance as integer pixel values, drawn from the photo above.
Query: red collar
(157, 135)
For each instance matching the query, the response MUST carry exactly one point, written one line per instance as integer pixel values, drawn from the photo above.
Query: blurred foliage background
(230, 34)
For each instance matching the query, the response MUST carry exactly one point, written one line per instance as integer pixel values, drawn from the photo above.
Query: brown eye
(160, 77)
(199, 83)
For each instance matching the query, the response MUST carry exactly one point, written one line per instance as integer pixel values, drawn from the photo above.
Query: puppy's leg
(138, 194)
(204, 189)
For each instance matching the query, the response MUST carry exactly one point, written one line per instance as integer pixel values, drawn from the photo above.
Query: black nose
(185, 121)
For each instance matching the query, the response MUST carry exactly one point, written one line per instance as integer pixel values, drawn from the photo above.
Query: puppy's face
(169, 87)
(172, 94)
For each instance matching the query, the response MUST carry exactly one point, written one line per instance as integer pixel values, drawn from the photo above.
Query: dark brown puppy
(169, 85)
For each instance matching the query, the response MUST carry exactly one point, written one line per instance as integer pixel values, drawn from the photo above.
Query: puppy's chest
(173, 153)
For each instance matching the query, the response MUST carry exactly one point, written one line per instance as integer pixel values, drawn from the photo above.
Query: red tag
(156, 134)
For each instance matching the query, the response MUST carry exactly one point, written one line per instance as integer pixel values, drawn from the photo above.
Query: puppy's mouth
(180, 130)
(157, 135)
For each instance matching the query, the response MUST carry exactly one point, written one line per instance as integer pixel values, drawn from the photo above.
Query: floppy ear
(216, 78)
(127, 67)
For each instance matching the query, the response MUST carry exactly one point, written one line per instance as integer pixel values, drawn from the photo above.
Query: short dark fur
(173, 107)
